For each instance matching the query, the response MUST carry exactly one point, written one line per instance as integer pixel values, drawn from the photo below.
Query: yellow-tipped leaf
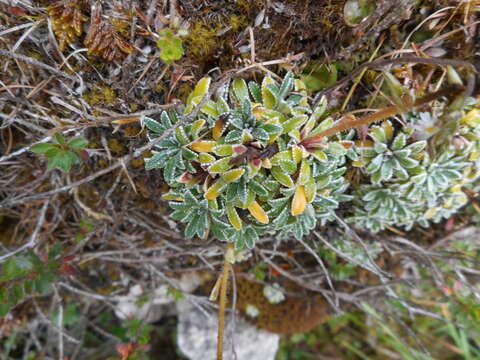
(299, 201)
(203, 146)
(258, 213)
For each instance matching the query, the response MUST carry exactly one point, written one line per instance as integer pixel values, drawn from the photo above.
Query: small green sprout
(170, 43)
(63, 154)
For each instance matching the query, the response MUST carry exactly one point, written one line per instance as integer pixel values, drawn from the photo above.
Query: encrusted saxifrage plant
(416, 173)
(239, 170)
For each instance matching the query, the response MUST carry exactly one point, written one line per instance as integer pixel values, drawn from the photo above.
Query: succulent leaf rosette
(239, 169)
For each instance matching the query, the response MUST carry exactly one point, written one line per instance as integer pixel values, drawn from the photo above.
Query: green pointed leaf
(181, 135)
(408, 162)
(205, 158)
(288, 166)
(77, 143)
(287, 85)
(399, 142)
(387, 171)
(258, 188)
(260, 134)
(250, 237)
(59, 138)
(232, 175)
(42, 148)
(417, 147)
(233, 217)
(220, 166)
(294, 123)
(305, 173)
(223, 150)
(192, 227)
(210, 108)
(268, 97)
(240, 90)
(233, 136)
(169, 172)
(255, 91)
(200, 90)
(281, 177)
(378, 134)
(375, 164)
(159, 158)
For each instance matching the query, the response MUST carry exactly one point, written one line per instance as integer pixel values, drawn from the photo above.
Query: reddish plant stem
(316, 140)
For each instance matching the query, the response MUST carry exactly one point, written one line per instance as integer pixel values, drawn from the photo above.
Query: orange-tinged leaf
(125, 350)
(388, 128)
(364, 143)
(258, 213)
(218, 129)
(346, 144)
(258, 111)
(202, 146)
(299, 201)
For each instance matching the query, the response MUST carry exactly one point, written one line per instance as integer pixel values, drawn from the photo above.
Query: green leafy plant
(388, 158)
(62, 154)
(85, 227)
(30, 274)
(170, 42)
(239, 164)
(409, 184)
(137, 335)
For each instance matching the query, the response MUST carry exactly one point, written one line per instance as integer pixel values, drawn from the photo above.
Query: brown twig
(33, 239)
(37, 63)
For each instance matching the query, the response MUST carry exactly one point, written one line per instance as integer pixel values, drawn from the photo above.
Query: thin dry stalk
(228, 261)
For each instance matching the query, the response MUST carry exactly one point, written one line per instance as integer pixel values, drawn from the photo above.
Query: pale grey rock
(152, 305)
(197, 337)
